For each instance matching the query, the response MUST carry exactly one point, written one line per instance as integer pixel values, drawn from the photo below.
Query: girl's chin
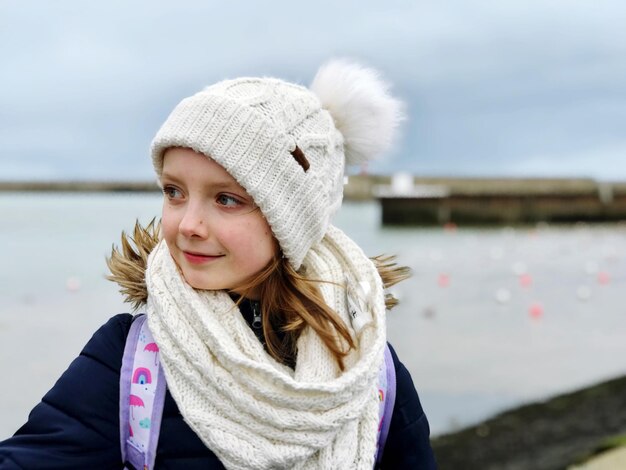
(202, 285)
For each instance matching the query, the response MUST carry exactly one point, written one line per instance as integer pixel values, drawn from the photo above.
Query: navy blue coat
(76, 425)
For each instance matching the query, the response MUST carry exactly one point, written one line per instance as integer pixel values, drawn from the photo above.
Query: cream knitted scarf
(250, 410)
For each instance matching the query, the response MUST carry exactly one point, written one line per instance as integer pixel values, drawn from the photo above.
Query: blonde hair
(290, 301)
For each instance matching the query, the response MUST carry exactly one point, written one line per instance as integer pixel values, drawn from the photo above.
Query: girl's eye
(171, 192)
(228, 201)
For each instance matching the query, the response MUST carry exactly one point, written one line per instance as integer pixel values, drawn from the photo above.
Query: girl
(269, 322)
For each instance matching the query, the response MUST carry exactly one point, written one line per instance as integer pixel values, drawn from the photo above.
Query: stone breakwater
(555, 434)
(502, 202)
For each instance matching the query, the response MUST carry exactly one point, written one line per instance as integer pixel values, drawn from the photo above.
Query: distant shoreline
(78, 186)
(362, 187)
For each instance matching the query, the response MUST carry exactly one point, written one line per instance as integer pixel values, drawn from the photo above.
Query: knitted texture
(252, 411)
(251, 126)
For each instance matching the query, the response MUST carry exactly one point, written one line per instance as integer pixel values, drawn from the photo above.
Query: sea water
(490, 319)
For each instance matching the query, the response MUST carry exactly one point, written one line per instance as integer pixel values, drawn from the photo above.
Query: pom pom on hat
(360, 104)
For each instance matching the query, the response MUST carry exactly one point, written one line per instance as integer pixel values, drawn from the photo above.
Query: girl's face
(217, 236)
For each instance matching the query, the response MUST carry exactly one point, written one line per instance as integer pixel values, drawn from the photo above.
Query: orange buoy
(450, 227)
(72, 284)
(525, 280)
(604, 278)
(536, 311)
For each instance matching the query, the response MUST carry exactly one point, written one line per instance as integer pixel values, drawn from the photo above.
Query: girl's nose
(194, 224)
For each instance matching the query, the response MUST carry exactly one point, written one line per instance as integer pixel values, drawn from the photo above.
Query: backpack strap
(387, 397)
(142, 396)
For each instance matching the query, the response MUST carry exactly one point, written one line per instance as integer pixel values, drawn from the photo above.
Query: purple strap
(389, 403)
(157, 414)
(141, 460)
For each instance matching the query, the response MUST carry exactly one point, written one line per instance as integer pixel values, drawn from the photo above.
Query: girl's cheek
(169, 224)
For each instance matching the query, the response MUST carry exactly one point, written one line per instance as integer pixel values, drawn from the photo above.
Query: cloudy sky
(493, 88)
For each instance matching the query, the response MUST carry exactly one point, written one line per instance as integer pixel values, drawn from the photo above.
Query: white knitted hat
(287, 145)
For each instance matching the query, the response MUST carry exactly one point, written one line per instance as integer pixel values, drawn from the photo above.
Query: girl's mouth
(196, 258)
